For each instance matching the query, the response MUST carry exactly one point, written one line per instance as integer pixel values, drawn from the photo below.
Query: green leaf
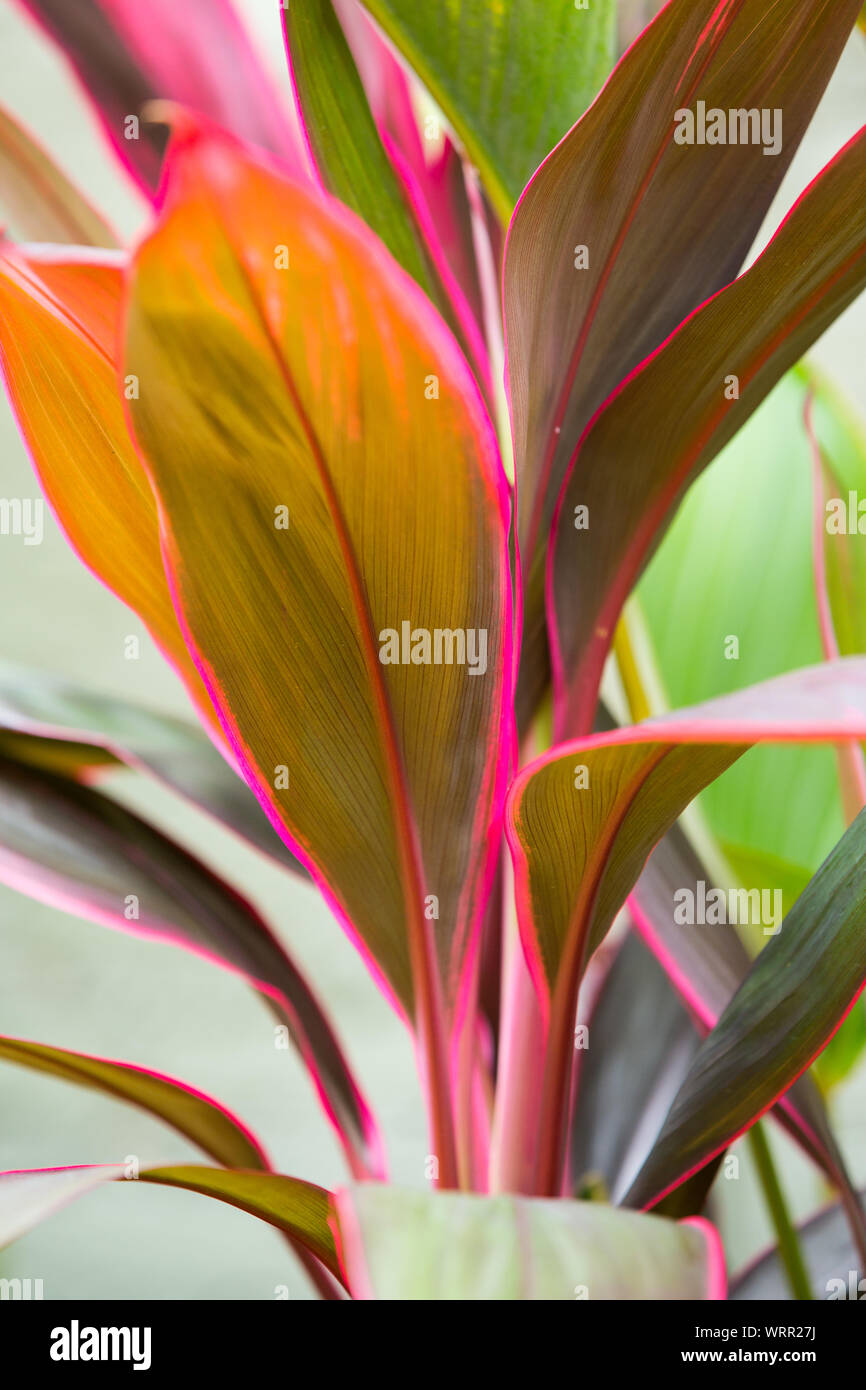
(511, 78)
(348, 151)
(739, 568)
(197, 1117)
(842, 444)
(435, 1246)
(794, 997)
(728, 570)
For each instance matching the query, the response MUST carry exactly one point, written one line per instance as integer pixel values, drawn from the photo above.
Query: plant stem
(629, 671)
(789, 1245)
(521, 1062)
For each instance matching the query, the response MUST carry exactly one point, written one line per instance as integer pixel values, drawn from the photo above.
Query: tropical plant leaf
(74, 848)
(733, 581)
(429, 168)
(635, 15)
(511, 79)
(835, 1268)
(582, 820)
(354, 164)
(345, 143)
(396, 1244)
(41, 203)
(59, 319)
(125, 55)
(841, 443)
(603, 260)
(796, 994)
(66, 757)
(706, 965)
(641, 1040)
(66, 728)
(727, 571)
(198, 1117)
(299, 1208)
(715, 370)
(389, 789)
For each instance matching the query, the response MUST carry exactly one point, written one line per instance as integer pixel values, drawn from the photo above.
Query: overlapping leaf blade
(348, 152)
(727, 570)
(355, 165)
(582, 820)
(395, 775)
(663, 224)
(706, 965)
(67, 728)
(834, 1266)
(796, 994)
(634, 465)
(734, 581)
(70, 846)
(37, 197)
(510, 78)
(126, 54)
(641, 1042)
(58, 329)
(301, 1209)
(196, 1116)
(397, 1244)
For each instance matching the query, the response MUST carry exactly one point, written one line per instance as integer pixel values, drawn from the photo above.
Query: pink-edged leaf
(41, 203)
(623, 231)
(74, 848)
(434, 181)
(300, 1209)
(41, 716)
(633, 16)
(353, 412)
(354, 165)
(671, 418)
(582, 820)
(196, 1116)
(642, 1040)
(126, 54)
(59, 323)
(797, 993)
(837, 1271)
(509, 78)
(433, 1246)
(706, 966)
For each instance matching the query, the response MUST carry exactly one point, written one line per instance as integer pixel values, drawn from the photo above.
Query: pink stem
(521, 1062)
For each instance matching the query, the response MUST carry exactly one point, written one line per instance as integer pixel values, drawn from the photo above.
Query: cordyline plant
(386, 534)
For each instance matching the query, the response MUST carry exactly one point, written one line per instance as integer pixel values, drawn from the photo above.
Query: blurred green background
(77, 985)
